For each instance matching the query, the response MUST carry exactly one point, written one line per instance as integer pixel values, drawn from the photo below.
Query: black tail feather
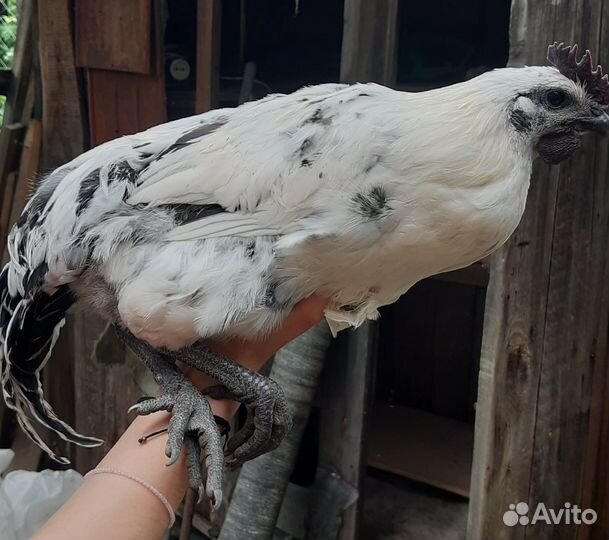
(29, 328)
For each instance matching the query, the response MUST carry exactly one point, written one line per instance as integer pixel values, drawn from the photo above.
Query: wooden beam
(62, 140)
(208, 54)
(541, 411)
(369, 49)
(29, 165)
(17, 189)
(344, 402)
(62, 118)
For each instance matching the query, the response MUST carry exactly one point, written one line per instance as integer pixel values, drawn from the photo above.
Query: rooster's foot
(192, 423)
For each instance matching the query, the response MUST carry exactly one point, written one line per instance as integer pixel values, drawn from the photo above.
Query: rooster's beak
(599, 122)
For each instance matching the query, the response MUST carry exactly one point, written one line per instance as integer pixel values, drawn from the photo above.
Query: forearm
(97, 509)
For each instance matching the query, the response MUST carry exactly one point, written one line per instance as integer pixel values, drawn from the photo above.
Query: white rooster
(215, 226)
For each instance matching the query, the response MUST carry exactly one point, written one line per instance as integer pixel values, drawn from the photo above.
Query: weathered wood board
(28, 169)
(107, 385)
(137, 102)
(114, 35)
(62, 140)
(62, 119)
(208, 54)
(370, 33)
(344, 403)
(542, 405)
(121, 103)
(425, 447)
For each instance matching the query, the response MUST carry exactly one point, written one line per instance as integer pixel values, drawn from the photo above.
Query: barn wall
(541, 412)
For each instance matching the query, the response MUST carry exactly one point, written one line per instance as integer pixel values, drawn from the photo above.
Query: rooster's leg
(268, 416)
(192, 422)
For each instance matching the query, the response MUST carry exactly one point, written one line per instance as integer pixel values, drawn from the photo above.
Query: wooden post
(62, 140)
(208, 54)
(62, 116)
(344, 399)
(541, 423)
(369, 50)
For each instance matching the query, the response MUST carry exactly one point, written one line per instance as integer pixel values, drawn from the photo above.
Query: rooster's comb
(564, 58)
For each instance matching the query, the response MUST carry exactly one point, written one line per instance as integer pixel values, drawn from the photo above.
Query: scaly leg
(269, 419)
(192, 422)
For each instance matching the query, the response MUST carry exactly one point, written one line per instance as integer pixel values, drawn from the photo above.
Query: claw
(163, 403)
(215, 497)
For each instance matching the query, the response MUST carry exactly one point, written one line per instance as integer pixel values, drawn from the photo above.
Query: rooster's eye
(556, 98)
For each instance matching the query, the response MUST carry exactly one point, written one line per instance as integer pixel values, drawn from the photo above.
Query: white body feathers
(354, 192)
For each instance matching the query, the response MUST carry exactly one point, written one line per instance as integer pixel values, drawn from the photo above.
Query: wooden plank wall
(15, 109)
(137, 102)
(114, 35)
(430, 347)
(124, 65)
(541, 426)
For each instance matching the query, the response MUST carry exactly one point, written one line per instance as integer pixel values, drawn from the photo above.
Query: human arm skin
(111, 506)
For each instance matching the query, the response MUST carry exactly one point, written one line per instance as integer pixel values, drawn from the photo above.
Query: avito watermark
(518, 514)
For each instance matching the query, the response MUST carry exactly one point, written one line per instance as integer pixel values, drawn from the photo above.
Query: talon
(215, 498)
(172, 455)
